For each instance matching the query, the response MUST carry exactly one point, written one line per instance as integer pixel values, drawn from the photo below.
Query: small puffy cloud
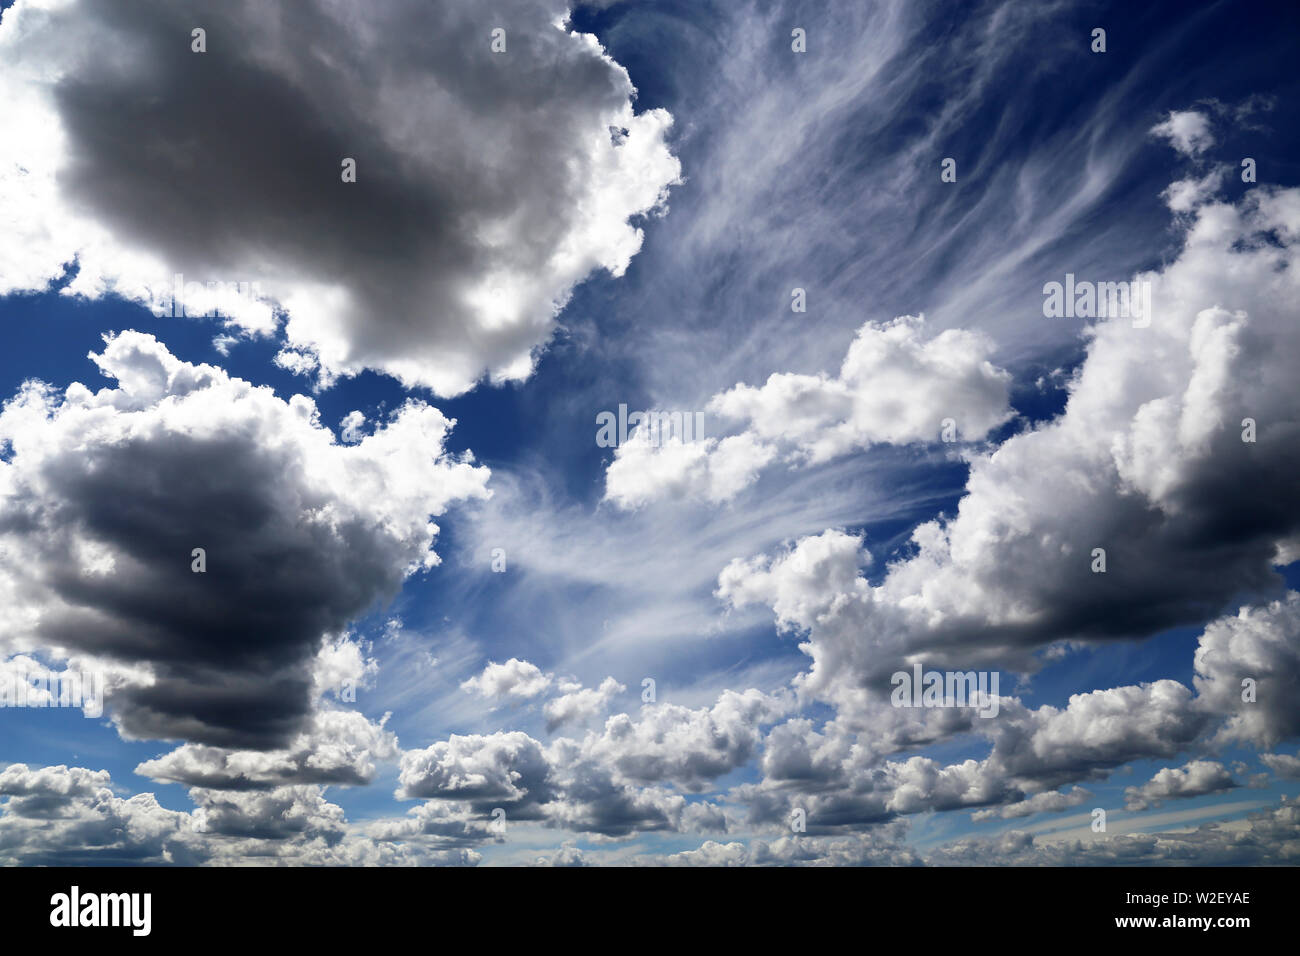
(1286, 766)
(1188, 131)
(508, 769)
(1196, 779)
(712, 469)
(514, 678)
(711, 853)
(1186, 195)
(803, 584)
(895, 386)
(582, 704)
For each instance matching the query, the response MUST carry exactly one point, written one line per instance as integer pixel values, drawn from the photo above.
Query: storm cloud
(107, 496)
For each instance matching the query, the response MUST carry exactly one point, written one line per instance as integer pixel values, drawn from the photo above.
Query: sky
(330, 334)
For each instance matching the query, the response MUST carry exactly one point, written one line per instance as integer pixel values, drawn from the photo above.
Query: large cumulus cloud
(104, 495)
(488, 184)
(1147, 462)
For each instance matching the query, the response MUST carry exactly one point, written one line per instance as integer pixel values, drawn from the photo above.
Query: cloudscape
(664, 433)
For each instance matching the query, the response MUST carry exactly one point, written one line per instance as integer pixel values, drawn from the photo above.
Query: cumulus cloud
(1286, 766)
(1146, 462)
(487, 184)
(621, 780)
(340, 747)
(567, 855)
(895, 386)
(507, 769)
(1196, 779)
(439, 270)
(715, 470)
(1096, 732)
(839, 777)
(514, 678)
(1188, 131)
(70, 816)
(881, 847)
(268, 815)
(581, 704)
(1246, 668)
(1184, 195)
(26, 787)
(107, 494)
(687, 747)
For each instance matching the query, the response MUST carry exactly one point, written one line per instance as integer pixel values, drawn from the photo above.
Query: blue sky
(768, 578)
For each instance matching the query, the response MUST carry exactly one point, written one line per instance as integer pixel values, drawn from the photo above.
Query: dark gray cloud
(108, 495)
(283, 813)
(487, 183)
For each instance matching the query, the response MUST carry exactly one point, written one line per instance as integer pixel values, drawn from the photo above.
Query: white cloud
(582, 704)
(1188, 131)
(895, 386)
(1146, 462)
(1049, 801)
(514, 678)
(1196, 779)
(1260, 645)
(339, 747)
(1284, 765)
